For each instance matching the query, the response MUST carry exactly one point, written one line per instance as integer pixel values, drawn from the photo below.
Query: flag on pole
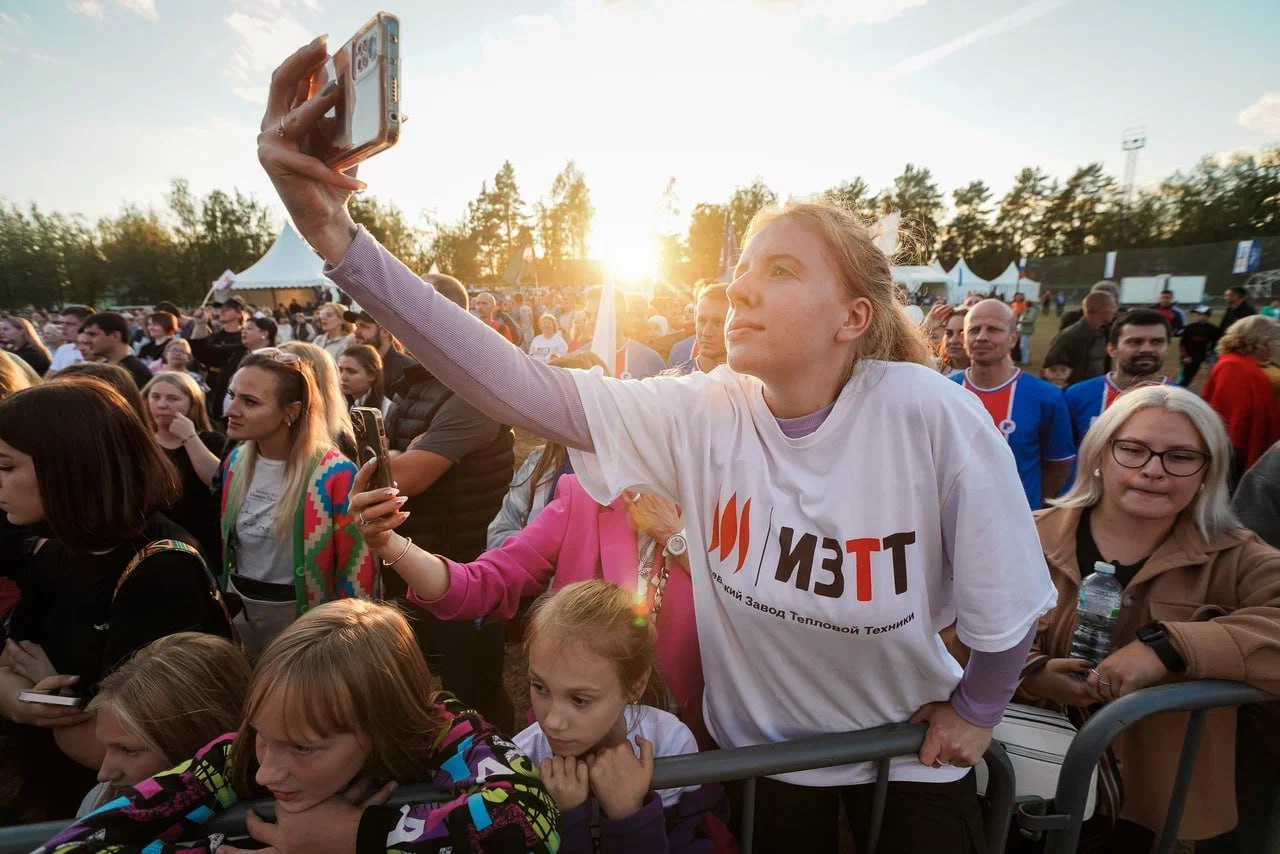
(728, 251)
(604, 343)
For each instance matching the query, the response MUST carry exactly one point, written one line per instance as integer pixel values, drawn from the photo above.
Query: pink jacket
(576, 539)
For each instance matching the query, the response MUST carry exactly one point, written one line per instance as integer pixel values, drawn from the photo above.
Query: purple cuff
(989, 681)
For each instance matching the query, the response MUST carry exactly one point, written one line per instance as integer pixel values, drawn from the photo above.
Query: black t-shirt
(38, 361)
(140, 372)
(1087, 553)
(153, 351)
(196, 510)
(68, 606)
(1199, 338)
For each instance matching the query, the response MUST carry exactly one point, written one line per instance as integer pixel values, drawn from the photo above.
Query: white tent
(916, 279)
(1008, 283)
(962, 281)
(289, 269)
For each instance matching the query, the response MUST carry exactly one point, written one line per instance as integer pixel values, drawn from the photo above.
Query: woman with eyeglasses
(288, 542)
(1201, 601)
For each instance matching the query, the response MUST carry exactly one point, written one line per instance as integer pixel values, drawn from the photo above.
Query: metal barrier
(1064, 824)
(743, 763)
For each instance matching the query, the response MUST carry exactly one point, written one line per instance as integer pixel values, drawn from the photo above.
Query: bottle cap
(1104, 567)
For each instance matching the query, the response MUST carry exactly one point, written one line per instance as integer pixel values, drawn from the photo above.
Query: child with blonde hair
(594, 691)
(339, 713)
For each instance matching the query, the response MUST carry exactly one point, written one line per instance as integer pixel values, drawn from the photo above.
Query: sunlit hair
(863, 271)
(28, 335)
(337, 417)
(607, 620)
(1211, 507)
(81, 434)
(1250, 335)
(183, 383)
(15, 375)
(178, 693)
(554, 454)
(308, 438)
(347, 667)
(344, 328)
(371, 363)
(177, 343)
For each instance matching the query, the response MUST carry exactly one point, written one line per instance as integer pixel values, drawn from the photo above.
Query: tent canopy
(916, 277)
(289, 263)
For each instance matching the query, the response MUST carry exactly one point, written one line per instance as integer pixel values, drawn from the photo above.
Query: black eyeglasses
(1178, 462)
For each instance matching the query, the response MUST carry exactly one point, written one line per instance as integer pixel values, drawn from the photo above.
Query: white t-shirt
(262, 554)
(543, 348)
(669, 735)
(832, 560)
(64, 357)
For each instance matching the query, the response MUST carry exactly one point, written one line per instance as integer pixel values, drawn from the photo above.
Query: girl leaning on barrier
(339, 714)
(1201, 599)
(829, 551)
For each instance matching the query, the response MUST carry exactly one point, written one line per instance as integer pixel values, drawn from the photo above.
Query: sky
(106, 101)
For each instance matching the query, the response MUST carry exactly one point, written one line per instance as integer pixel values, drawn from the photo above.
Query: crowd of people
(791, 511)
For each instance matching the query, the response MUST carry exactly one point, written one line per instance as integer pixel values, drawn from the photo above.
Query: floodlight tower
(1133, 141)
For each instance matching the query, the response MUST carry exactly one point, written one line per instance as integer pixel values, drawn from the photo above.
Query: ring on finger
(363, 521)
(280, 127)
(1106, 682)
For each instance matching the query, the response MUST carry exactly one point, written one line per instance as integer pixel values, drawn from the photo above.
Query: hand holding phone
(366, 118)
(50, 699)
(371, 443)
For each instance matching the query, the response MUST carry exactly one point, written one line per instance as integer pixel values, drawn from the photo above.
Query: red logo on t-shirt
(730, 530)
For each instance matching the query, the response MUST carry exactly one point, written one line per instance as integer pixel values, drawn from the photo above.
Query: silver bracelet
(408, 541)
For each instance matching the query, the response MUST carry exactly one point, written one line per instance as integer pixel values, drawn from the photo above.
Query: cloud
(142, 8)
(88, 8)
(9, 24)
(1263, 115)
(840, 16)
(265, 33)
(1017, 18)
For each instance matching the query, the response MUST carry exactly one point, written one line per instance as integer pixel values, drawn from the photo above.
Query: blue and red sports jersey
(1090, 398)
(1033, 417)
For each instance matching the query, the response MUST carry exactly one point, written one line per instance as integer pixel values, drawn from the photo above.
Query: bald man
(1030, 413)
(1083, 344)
(486, 308)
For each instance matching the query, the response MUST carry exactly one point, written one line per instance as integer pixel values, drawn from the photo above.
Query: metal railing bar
(878, 800)
(1001, 792)
(747, 840)
(1182, 780)
(1105, 726)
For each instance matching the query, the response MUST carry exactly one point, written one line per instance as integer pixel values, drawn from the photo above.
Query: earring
(1097, 472)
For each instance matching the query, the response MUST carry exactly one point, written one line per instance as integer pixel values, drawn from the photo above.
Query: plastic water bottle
(1096, 614)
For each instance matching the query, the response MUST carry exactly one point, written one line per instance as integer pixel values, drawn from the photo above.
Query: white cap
(1104, 567)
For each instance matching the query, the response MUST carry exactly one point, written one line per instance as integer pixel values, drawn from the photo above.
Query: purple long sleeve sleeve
(459, 349)
(989, 681)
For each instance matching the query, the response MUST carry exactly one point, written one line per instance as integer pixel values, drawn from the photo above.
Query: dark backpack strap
(156, 547)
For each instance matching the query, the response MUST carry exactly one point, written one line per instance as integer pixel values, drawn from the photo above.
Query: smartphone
(367, 118)
(371, 441)
(49, 699)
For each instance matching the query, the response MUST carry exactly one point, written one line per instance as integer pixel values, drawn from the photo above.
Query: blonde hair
(337, 417)
(348, 666)
(863, 271)
(1211, 507)
(183, 383)
(178, 693)
(30, 337)
(308, 438)
(339, 311)
(609, 621)
(1250, 334)
(15, 374)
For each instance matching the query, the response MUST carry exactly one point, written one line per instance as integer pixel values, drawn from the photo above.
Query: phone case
(371, 440)
(367, 118)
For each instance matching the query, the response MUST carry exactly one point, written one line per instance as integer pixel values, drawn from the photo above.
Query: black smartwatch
(1154, 636)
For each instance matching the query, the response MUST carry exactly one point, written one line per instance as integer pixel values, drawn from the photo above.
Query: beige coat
(1220, 604)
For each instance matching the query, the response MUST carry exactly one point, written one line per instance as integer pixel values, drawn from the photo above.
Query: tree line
(144, 255)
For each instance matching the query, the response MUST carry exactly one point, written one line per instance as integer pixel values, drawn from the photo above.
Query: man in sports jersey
(1137, 346)
(1028, 411)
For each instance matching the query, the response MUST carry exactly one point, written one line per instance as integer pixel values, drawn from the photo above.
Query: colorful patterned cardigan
(331, 559)
(496, 802)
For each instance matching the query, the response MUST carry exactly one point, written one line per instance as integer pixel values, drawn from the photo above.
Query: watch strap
(1157, 638)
